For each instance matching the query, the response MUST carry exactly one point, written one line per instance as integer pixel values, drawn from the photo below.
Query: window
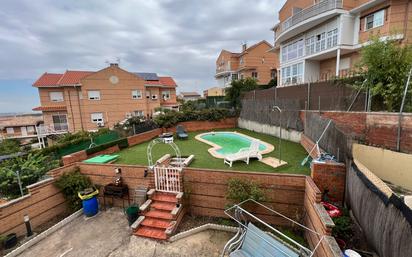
(234, 76)
(30, 129)
(166, 95)
(97, 117)
(94, 95)
(292, 74)
(136, 94)
(374, 20)
(241, 76)
(254, 74)
(56, 96)
(60, 122)
(322, 41)
(10, 130)
(292, 51)
(273, 74)
(241, 60)
(138, 113)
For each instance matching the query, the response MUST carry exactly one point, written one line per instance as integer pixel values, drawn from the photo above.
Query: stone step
(155, 223)
(164, 197)
(165, 215)
(164, 206)
(150, 232)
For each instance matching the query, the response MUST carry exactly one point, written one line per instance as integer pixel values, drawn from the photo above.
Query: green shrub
(239, 190)
(9, 146)
(343, 226)
(122, 143)
(70, 184)
(31, 167)
(170, 119)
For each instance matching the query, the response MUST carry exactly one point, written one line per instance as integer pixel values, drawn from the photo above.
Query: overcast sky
(171, 37)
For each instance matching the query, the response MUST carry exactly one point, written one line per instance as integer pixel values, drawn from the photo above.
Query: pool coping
(215, 147)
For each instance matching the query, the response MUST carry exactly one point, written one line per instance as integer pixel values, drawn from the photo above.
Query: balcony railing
(316, 9)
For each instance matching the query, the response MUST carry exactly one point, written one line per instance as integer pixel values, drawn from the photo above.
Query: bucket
(90, 206)
(132, 213)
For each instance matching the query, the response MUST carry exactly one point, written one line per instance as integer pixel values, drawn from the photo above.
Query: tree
(272, 83)
(9, 146)
(237, 88)
(385, 66)
(31, 168)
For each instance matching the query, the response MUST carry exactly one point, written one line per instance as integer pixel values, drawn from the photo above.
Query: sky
(178, 38)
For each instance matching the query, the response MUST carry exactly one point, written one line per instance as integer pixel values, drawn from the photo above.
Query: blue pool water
(230, 142)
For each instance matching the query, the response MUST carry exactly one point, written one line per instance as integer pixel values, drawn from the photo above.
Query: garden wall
(206, 190)
(317, 219)
(42, 203)
(191, 126)
(288, 134)
(385, 219)
(372, 128)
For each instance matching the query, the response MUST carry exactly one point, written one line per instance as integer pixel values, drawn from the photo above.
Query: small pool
(230, 142)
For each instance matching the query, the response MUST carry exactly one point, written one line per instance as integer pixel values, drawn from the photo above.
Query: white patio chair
(244, 154)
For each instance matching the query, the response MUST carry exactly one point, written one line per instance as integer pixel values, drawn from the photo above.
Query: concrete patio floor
(108, 234)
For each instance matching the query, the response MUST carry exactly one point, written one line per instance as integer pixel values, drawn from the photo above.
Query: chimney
(113, 64)
(244, 46)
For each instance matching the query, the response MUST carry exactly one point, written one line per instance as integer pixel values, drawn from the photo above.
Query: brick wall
(206, 125)
(74, 157)
(42, 203)
(308, 144)
(317, 219)
(373, 128)
(330, 176)
(143, 137)
(110, 150)
(206, 191)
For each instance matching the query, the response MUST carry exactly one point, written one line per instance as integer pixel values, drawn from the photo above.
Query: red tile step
(159, 215)
(150, 232)
(165, 206)
(155, 223)
(164, 197)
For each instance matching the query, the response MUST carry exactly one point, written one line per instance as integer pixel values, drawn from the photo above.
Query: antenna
(118, 60)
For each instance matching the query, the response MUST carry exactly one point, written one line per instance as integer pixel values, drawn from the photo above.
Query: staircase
(161, 215)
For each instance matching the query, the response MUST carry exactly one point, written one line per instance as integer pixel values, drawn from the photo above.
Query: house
(87, 100)
(256, 61)
(318, 40)
(214, 91)
(189, 96)
(20, 126)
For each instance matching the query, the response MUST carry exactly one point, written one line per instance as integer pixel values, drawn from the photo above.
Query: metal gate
(167, 179)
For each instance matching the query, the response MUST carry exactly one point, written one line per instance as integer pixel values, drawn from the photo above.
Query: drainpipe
(337, 62)
(80, 110)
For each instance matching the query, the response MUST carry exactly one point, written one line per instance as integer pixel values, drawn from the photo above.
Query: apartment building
(256, 61)
(87, 100)
(214, 91)
(320, 39)
(20, 126)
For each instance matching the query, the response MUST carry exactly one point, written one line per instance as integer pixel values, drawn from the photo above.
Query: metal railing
(167, 179)
(50, 130)
(316, 9)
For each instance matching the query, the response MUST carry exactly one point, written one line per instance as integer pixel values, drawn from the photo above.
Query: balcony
(311, 16)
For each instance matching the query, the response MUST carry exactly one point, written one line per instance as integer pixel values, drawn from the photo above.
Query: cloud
(171, 37)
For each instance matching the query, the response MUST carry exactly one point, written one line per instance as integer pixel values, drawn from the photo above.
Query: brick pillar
(330, 176)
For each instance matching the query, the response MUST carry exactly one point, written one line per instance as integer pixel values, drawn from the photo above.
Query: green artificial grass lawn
(292, 153)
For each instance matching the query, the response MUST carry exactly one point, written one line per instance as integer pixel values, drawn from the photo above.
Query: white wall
(347, 30)
(290, 135)
(312, 70)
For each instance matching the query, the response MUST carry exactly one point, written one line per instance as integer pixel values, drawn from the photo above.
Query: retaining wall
(288, 134)
(42, 203)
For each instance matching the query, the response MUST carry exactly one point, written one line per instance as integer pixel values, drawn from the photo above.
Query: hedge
(122, 143)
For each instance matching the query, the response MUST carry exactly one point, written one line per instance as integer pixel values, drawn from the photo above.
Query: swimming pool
(225, 143)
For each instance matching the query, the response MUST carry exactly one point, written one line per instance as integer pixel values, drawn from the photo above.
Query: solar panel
(147, 75)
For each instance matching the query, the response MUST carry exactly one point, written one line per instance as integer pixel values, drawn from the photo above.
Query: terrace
(292, 153)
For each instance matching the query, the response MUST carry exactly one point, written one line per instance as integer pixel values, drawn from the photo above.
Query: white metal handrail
(238, 206)
(316, 9)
